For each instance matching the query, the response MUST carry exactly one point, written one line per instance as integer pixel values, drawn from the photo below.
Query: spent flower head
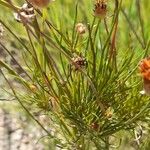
(26, 14)
(79, 62)
(100, 9)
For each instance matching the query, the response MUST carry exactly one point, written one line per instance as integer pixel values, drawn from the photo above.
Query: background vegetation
(93, 105)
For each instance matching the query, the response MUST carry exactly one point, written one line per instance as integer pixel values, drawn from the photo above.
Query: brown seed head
(79, 62)
(100, 9)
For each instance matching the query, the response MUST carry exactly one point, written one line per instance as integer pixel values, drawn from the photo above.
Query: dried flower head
(26, 14)
(100, 9)
(79, 62)
(80, 28)
(40, 3)
(144, 68)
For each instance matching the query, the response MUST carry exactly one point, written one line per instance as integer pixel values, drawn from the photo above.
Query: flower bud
(80, 28)
(1, 30)
(33, 88)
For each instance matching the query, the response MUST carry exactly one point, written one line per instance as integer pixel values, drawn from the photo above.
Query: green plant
(88, 85)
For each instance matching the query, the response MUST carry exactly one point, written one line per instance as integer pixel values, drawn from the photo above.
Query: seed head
(100, 9)
(79, 62)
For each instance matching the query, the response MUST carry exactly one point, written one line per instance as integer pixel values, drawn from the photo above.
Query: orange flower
(144, 68)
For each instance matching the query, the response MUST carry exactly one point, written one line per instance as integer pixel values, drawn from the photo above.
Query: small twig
(138, 136)
(141, 21)
(106, 26)
(132, 28)
(4, 99)
(113, 42)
